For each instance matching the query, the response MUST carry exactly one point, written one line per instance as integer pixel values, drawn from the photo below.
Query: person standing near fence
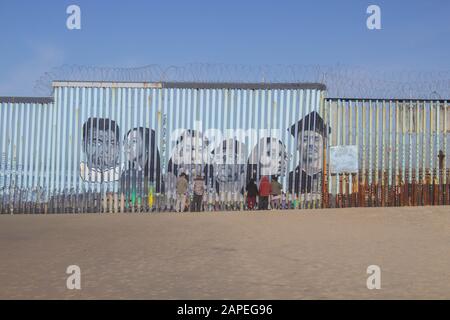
(199, 189)
(276, 192)
(181, 187)
(252, 192)
(265, 189)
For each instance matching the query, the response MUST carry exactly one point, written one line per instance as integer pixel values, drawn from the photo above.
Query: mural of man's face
(311, 148)
(134, 148)
(273, 158)
(229, 164)
(102, 149)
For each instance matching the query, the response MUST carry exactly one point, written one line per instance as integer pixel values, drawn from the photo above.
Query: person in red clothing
(252, 192)
(265, 189)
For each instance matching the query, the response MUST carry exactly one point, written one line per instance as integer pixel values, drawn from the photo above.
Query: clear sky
(415, 35)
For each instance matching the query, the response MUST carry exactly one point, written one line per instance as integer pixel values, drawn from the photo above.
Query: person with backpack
(199, 189)
(181, 188)
(276, 192)
(265, 189)
(252, 192)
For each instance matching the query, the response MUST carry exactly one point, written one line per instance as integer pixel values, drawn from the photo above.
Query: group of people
(257, 197)
(182, 187)
(268, 192)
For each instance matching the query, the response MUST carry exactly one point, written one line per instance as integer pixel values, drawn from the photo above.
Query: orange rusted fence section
(387, 153)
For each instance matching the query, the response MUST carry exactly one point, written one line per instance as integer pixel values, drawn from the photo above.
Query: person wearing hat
(310, 133)
(198, 191)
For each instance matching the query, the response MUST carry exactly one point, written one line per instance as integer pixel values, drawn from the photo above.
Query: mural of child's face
(273, 158)
(134, 147)
(311, 147)
(102, 149)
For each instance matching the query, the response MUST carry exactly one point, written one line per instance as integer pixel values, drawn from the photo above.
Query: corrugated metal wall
(25, 154)
(388, 152)
(120, 146)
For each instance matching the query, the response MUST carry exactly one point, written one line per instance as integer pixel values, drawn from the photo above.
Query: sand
(307, 254)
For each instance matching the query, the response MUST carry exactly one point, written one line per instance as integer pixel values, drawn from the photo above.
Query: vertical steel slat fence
(120, 147)
(388, 153)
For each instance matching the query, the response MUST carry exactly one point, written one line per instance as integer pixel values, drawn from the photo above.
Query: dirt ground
(308, 254)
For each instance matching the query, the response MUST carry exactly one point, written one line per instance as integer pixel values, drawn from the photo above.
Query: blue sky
(415, 35)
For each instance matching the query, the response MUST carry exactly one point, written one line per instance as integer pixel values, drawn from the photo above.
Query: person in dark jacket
(252, 192)
(265, 189)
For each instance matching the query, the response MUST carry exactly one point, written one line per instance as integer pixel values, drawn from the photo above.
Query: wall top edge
(190, 85)
(28, 100)
(413, 100)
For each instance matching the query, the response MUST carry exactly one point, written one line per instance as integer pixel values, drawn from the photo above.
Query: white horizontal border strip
(99, 84)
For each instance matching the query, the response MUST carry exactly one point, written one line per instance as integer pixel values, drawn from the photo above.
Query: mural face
(190, 149)
(142, 157)
(102, 149)
(311, 147)
(310, 132)
(101, 146)
(189, 156)
(229, 165)
(135, 149)
(270, 157)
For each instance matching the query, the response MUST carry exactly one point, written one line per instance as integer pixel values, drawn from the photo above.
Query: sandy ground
(315, 254)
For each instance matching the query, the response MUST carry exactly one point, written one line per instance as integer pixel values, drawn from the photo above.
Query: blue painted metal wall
(120, 146)
(98, 146)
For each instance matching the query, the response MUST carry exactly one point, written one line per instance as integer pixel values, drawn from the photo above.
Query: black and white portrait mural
(141, 174)
(310, 133)
(229, 167)
(101, 148)
(190, 156)
(268, 158)
(226, 166)
(129, 145)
